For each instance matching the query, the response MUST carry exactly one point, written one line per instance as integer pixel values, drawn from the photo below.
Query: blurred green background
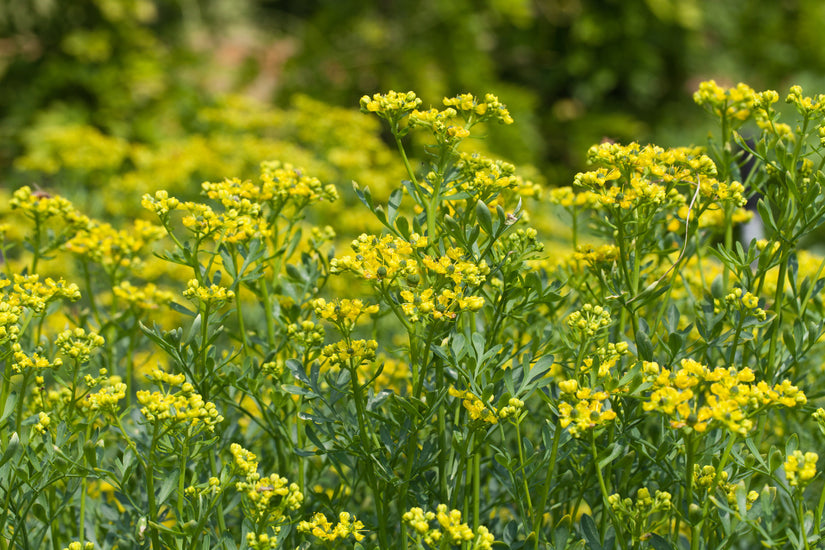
(572, 72)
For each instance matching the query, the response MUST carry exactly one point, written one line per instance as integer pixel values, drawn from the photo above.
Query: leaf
(194, 330)
(403, 226)
(181, 309)
(169, 483)
(297, 390)
(394, 204)
(590, 532)
(674, 342)
(660, 543)
(615, 452)
(485, 219)
(643, 345)
(767, 216)
(11, 448)
(297, 369)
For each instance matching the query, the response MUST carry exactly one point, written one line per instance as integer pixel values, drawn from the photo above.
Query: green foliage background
(571, 71)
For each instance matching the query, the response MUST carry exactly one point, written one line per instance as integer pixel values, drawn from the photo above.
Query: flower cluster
(566, 197)
(637, 515)
(10, 312)
(36, 295)
(806, 106)
(161, 203)
(230, 226)
(282, 183)
(184, 406)
(22, 361)
(104, 245)
(587, 322)
(43, 422)
(745, 303)
(583, 409)
(733, 104)
(42, 206)
(595, 255)
(381, 258)
(487, 412)
(704, 478)
(485, 177)
(322, 529)
(392, 106)
(605, 358)
(696, 396)
(344, 313)
(142, 298)
(80, 147)
(306, 334)
(352, 353)
(521, 244)
(449, 530)
(425, 304)
(451, 266)
(800, 468)
(443, 124)
(78, 344)
(477, 409)
(266, 500)
(111, 392)
(212, 296)
(474, 109)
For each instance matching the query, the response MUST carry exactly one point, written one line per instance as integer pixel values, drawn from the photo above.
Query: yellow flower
(800, 468)
(321, 528)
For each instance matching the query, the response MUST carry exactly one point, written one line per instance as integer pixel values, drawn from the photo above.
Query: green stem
(545, 490)
(368, 443)
(81, 535)
(603, 489)
(776, 325)
(800, 510)
(688, 493)
(150, 491)
(20, 401)
(526, 486)
(443, 438)
(300, 443)
(184, 455)
(697, 529)
(270, 322)
(407, 165)
(53, 521)
(818, 516)
(476, 487)
(4, 394)
(728, 245)
(213, 467)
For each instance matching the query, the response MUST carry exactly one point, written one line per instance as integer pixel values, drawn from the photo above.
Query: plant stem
(545, 490)
(688, 492)
(777, 304)
(476, 488)
(603, 488)
(530, 512)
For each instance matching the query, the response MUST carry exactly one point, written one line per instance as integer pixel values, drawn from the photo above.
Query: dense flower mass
(322, 529)
(449, 529)
(696, 396)
(603, 364)
(182, 406)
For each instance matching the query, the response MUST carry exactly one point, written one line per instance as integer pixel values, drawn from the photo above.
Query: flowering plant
(447, 382)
